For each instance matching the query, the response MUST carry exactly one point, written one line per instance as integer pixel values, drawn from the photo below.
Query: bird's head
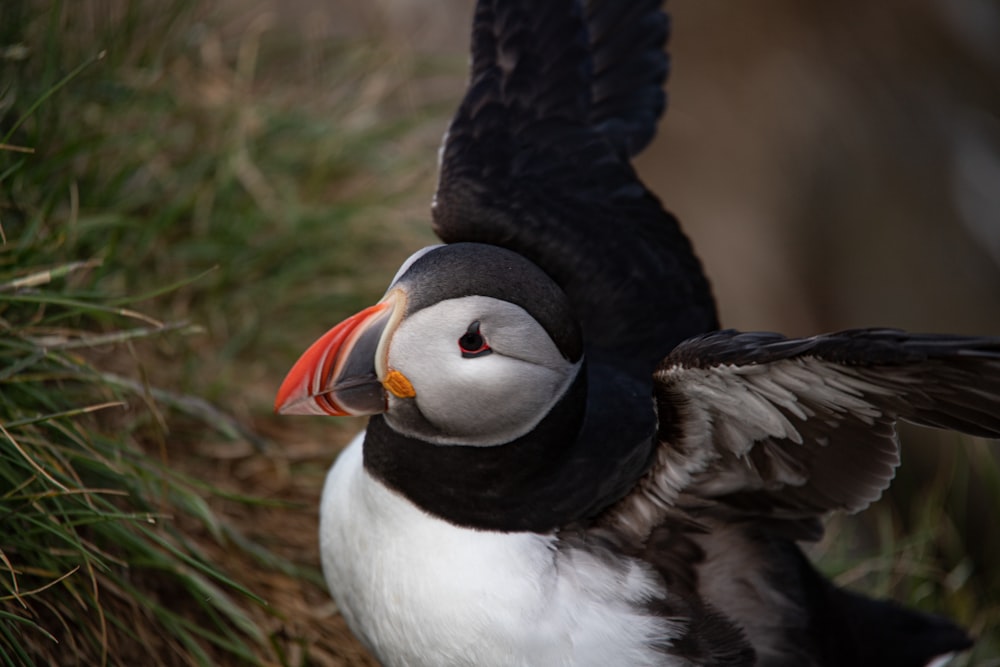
(471, 345)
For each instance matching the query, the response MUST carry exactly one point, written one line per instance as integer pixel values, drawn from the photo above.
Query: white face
(485, 399)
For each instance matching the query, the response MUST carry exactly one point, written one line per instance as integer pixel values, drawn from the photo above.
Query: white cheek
(485, 400)
(490, 394)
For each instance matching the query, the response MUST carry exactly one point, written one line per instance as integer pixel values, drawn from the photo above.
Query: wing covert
(762, 425)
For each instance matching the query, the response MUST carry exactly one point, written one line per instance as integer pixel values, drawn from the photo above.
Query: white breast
(420, 591)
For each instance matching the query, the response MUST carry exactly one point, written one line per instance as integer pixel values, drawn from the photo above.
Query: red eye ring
(472, 344)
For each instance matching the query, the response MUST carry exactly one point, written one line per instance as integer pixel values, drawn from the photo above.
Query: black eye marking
(472, 342)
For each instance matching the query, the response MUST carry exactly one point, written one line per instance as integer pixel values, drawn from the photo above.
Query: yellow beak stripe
(397, 383)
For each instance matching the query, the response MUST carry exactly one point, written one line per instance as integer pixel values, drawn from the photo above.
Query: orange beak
(339, 374)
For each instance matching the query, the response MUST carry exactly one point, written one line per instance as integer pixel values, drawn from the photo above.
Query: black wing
(795, 428)
(536, 160)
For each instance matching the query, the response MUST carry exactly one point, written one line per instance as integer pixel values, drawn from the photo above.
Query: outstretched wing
(795, 428)
(629, 67)
(561, 95)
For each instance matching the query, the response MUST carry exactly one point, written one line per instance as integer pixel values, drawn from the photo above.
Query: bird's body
(411, 583)
(567, 462)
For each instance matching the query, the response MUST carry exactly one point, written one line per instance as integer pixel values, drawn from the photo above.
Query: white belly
(420, 591)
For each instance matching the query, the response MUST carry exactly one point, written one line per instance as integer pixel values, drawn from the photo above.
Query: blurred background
(192, 192)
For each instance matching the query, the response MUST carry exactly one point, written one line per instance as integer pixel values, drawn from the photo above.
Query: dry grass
(170, 177)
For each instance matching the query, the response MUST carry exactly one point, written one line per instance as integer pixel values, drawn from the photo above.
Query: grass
(150, 180)
(88, 515)
(186, 196)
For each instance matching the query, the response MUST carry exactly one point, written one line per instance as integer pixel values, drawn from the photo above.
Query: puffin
(567, 461)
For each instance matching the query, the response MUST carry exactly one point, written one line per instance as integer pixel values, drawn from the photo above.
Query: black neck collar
(579, 460)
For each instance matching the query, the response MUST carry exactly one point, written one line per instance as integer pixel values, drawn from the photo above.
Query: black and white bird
(568, 463)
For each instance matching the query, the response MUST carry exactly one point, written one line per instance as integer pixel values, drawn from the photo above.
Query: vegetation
(163, 197)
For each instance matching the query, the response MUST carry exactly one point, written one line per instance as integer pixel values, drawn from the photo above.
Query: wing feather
(762, 425)
(536, 160)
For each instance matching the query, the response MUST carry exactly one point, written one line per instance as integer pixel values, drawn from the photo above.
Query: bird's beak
(344, 372)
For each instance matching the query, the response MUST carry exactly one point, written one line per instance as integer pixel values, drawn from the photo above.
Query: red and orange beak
(344, 372)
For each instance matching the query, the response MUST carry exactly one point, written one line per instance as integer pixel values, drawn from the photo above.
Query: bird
(567, 460)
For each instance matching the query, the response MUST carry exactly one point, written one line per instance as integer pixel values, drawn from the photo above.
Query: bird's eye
(472, 342)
